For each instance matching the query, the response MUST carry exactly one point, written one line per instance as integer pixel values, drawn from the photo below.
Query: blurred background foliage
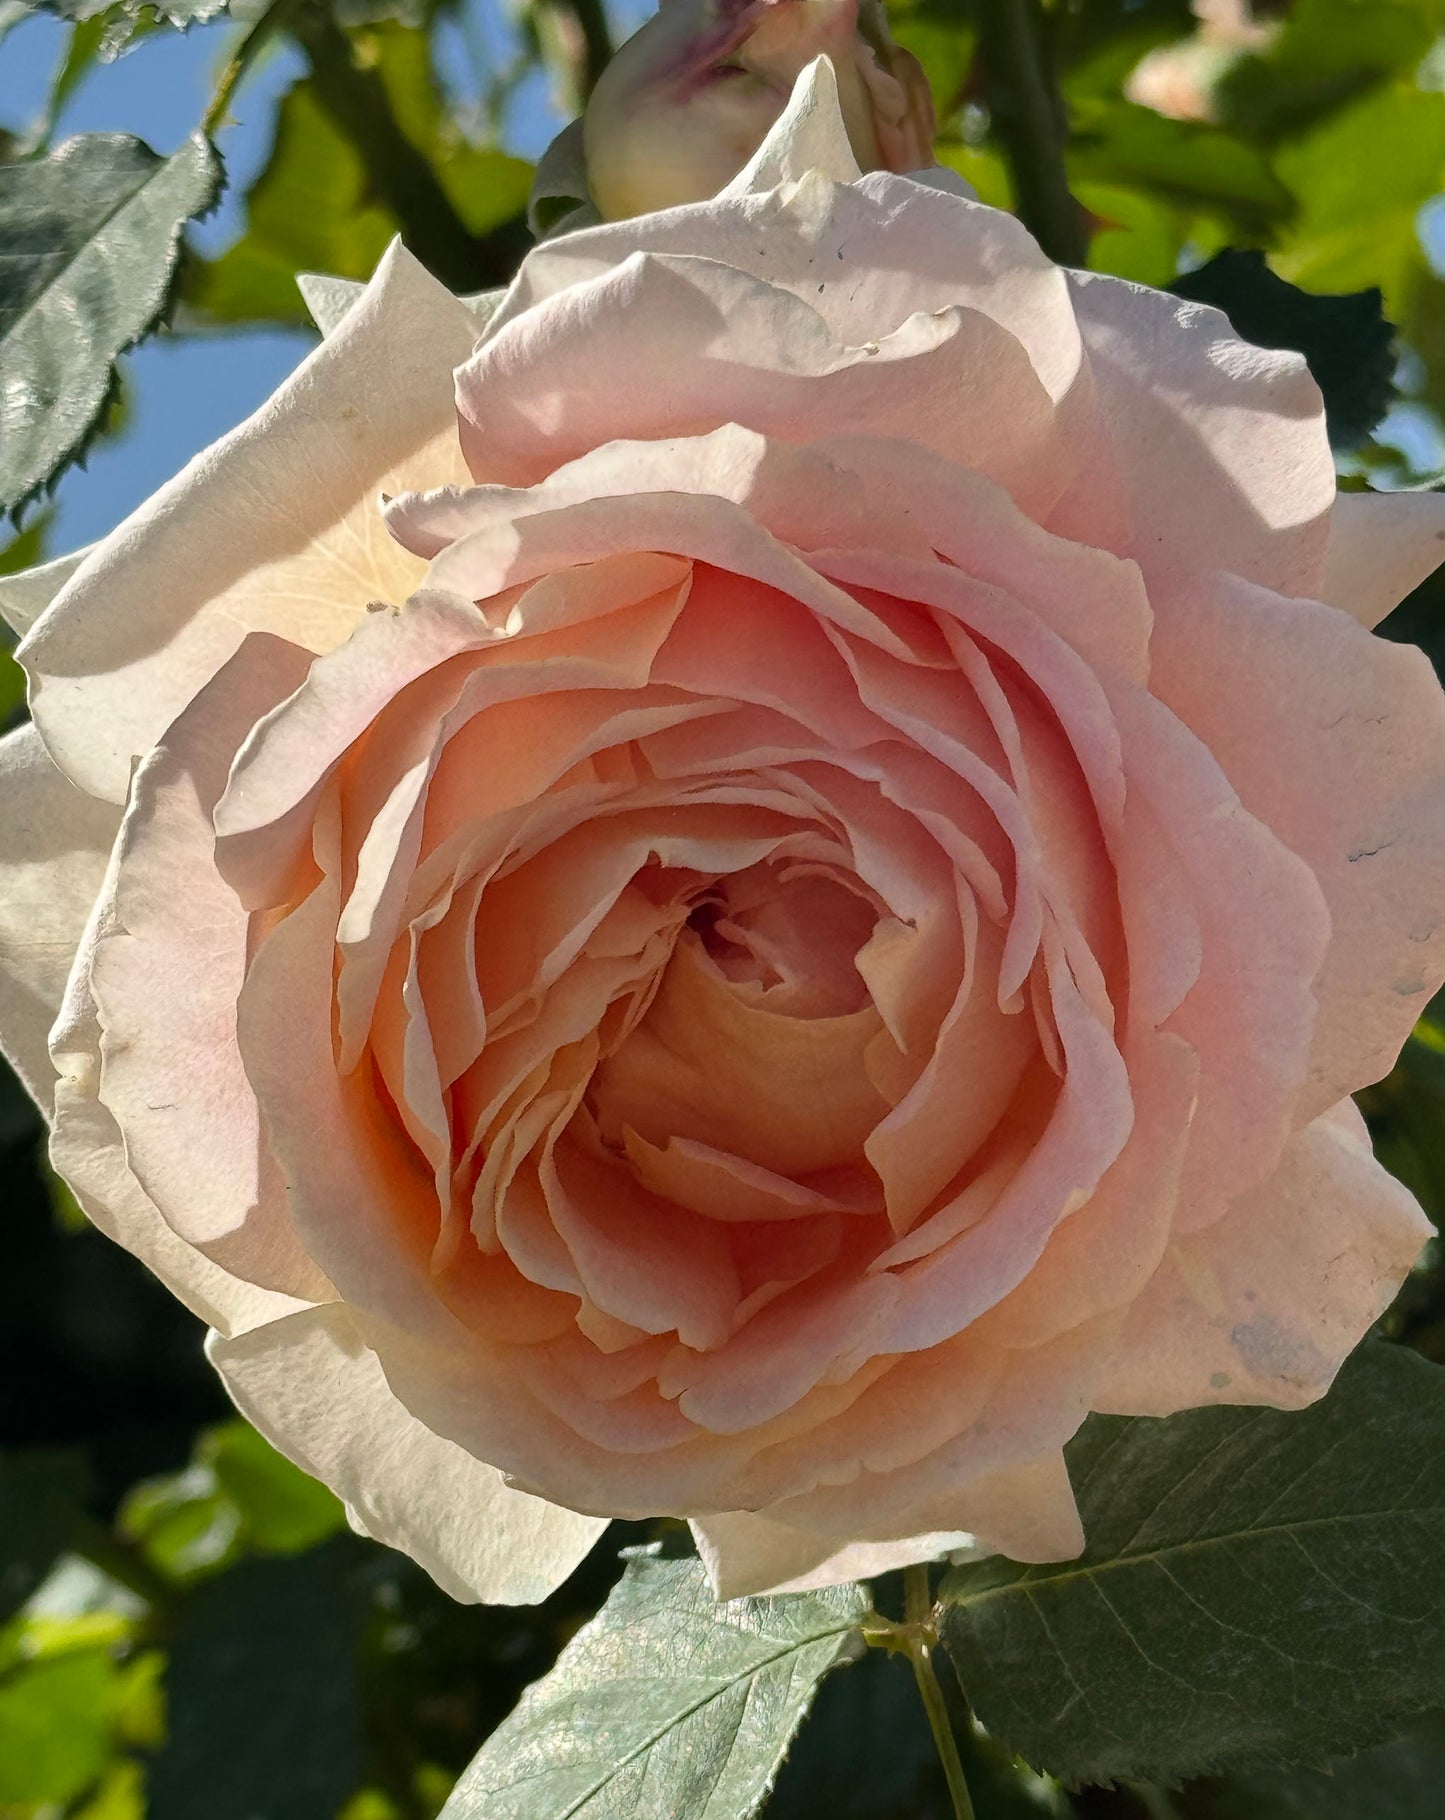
(187, 1627)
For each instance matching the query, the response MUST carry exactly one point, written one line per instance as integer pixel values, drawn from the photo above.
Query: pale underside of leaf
(668, 1706)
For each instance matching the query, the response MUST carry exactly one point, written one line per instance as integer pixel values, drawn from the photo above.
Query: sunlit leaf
(56, 1725)
(313, 208)
(92, 235)
(668, 1706)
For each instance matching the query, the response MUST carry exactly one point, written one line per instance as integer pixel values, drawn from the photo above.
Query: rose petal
(1381, 546)
(318, 1393)
(54, 845)
(272, 529)
(1264, 1305)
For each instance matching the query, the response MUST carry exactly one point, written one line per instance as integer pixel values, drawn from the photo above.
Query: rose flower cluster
(745, 891)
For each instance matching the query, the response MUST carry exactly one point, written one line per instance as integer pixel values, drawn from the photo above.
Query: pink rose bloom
(688, 99)
(796, 910)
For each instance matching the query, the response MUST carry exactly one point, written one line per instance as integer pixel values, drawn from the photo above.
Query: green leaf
(92, 234)
(1181, 162)
(1397, 1781)
(1362, 178)
(668, 1706)
(180, 13)
(264, 1700)
(282, 1510)
(238, 1496)
(1258, 1586)
(314, 208)
(1325, 53)
(41, 1495)
(1346, 340)
(865, 1750)
(56, 1725)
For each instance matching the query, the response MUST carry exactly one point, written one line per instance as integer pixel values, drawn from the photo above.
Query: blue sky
(183, 392)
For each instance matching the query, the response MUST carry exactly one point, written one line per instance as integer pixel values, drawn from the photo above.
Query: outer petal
(1336, 742)
(165, 988)
(1265, 1305)
(274, 528)
(319, 1394)
(1027, 1511)
(883, 249)
(25, 595)
(1381, 546)
(1219, 451)
(54, 843)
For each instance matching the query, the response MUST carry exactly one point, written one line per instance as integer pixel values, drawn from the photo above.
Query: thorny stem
(1029, 119)
(918, 1624)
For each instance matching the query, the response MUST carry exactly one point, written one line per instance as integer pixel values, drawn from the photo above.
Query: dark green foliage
(1403, 1780)
(91, 234)
(41, 1495)
(1346, 340)
(264, 1673)
(1258, 1585)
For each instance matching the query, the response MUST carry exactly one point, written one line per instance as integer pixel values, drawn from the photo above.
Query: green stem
(398, 175)
(245, 54)
(918, 1618)
(1031, 125)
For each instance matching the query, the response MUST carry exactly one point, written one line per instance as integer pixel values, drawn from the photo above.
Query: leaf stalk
(922, 1640)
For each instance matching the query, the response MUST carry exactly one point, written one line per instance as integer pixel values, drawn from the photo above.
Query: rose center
(787, 938)
(756, 1039)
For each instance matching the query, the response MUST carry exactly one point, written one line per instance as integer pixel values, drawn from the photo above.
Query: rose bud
(687, 100)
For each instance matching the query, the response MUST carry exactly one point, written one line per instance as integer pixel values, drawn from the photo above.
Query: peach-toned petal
(1381, 546)
(1263, 1306)
(1336, 742)
(884, 249)
(1036, 1405)
(360, 1195)
(720, 1185)
(790, 1093)
(1263, 932)
(54, 845)
(746, 1554)
(318, 1393)
(1027, 1512)
(275, 528)
(723, 347)
(165, 990)
(86, 1148)
(1103, 1256)
(1085, 1131)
